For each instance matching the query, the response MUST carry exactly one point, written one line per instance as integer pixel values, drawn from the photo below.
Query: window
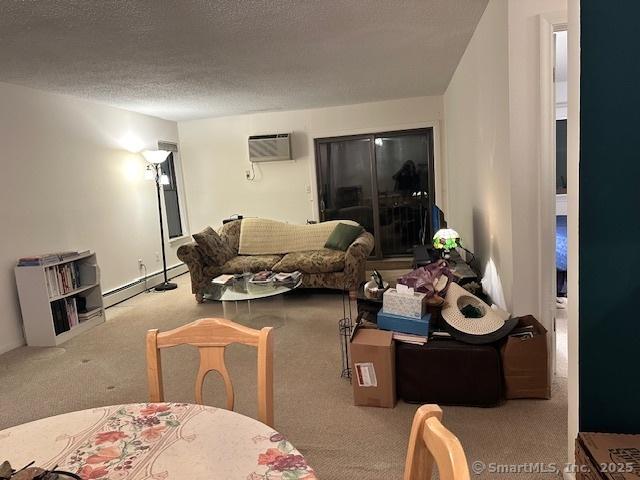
(172, 198)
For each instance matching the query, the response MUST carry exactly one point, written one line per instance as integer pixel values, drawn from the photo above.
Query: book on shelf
(72, 312)
(65, 315)
(62, 279)
(48, 258)
(58, 325)
(37, 260)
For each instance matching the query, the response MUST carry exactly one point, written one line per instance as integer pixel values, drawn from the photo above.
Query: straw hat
(491, 326)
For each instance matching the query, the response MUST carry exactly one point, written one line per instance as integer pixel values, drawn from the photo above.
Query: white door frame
(573, 196)
(548, 24)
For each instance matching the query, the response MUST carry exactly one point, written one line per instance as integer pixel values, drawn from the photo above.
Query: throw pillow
(343, 236)
(213, 247)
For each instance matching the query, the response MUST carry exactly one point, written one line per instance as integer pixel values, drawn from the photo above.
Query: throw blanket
(259, 236)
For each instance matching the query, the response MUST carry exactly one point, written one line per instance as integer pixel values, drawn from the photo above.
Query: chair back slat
(212, 359)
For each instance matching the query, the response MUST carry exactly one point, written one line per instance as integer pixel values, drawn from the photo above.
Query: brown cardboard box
(373, 368)
(525, 363)
(607, 456)
(584, 468)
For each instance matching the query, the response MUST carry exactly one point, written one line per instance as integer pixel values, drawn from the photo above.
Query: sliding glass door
(383, 181)
(403, 176)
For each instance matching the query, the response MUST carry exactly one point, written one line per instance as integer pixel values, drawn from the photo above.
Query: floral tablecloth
(156, 441)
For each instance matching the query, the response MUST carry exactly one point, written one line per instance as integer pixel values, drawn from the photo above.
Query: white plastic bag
(492, 285)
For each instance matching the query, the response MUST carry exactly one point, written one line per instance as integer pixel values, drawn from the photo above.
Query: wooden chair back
(430, 442)
(211, 336)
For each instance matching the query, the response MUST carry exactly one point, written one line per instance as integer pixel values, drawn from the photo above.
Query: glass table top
(242, 288)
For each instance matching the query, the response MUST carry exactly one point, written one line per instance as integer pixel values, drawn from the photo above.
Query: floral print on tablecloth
(145, 442)
(281, 460)
(125, 440)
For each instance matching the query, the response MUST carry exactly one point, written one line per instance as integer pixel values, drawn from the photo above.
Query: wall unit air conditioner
(270, 148)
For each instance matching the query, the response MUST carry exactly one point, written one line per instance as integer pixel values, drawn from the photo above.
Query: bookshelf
(60, 297)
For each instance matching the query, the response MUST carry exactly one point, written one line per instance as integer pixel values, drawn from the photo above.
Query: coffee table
(236, 300)
(242, 289)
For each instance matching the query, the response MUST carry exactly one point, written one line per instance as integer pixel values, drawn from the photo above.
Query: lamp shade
(155, 156)
(446, 238)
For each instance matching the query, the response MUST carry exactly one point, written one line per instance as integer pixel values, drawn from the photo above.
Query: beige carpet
(313, 405)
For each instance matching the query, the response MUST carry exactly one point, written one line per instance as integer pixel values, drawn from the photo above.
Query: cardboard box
(607, 456)
(404, 304)
(584, 469)
(526, 364)
(373, 368)
(396, 323)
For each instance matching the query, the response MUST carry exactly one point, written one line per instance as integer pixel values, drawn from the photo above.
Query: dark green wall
(610, 216)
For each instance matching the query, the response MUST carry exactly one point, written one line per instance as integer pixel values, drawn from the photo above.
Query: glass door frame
(428, 131)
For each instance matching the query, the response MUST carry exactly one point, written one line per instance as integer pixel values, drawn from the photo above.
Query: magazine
(265, 276)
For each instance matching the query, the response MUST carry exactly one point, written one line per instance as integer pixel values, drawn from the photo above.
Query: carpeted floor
(313, 406)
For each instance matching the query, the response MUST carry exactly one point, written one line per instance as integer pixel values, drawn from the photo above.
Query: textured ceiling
(186, 59)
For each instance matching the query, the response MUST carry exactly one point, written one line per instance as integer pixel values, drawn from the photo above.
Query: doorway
(559, 80)
(384, 181)
(561, 210)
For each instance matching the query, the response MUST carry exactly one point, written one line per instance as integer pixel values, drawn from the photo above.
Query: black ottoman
(448, 372)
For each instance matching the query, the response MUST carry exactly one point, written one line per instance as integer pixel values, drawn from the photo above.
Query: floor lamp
(154, 172)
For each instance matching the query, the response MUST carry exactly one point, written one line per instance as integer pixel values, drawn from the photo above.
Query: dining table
(155, 441)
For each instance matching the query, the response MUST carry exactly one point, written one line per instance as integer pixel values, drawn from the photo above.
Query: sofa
(262, 244)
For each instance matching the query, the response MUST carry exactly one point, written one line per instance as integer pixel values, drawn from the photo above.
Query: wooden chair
(211, 336)
(429, 441)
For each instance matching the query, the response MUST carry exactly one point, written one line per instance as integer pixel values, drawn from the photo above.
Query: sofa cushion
(250, 263)
(314, 261)
(230, 234)
(213, 247)
(343, 236)
(259, 236)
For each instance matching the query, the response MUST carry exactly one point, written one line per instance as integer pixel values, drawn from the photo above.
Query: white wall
(476, 110)
(215, 157)
(495, 152)
(69, 183)
(525, 121)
